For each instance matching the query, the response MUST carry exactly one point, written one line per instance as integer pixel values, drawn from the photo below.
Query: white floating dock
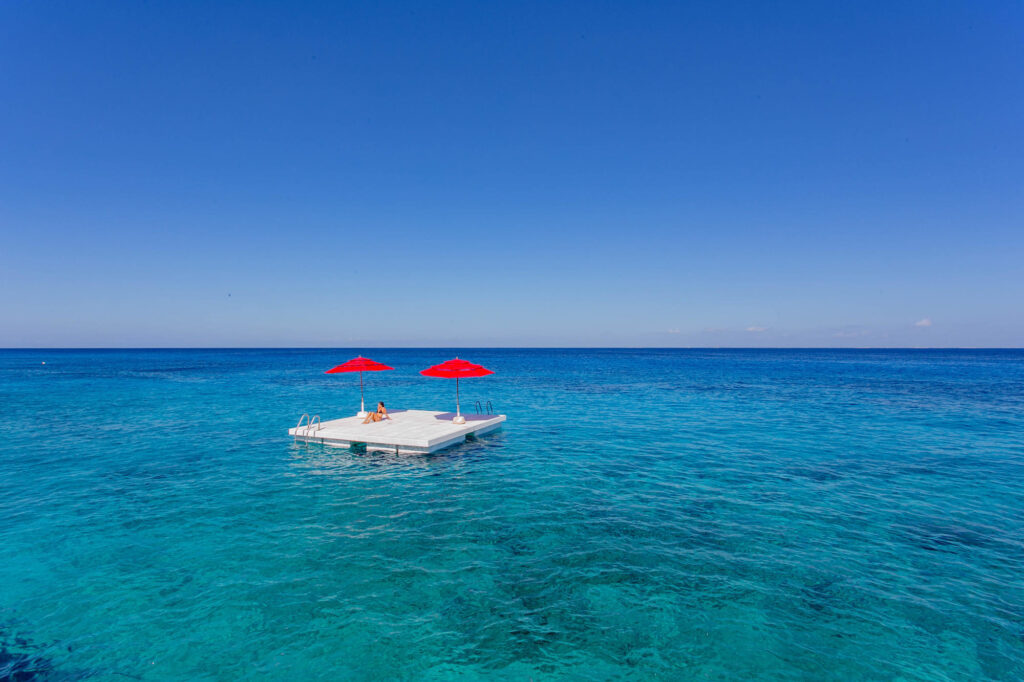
(406, 432)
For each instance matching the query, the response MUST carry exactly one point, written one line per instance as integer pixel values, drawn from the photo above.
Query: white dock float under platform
(406, 432)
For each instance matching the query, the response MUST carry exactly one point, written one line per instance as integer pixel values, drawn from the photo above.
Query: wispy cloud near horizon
(926, 322)
(851, 333)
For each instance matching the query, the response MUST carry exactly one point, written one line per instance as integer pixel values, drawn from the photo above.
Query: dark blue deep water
(672, 515)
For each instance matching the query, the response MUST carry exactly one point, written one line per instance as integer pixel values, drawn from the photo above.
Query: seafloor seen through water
(772, 515)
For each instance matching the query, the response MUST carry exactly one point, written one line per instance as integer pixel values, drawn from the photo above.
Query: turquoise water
(778, 515)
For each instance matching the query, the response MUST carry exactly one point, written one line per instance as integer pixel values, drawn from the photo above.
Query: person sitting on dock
(380, 415)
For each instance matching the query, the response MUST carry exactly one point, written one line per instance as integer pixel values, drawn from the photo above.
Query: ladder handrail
(312, 424)
(487, 408)
(305, 415)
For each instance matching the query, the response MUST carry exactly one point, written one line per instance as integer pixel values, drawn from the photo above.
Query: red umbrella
(360, 365)
(456, 369)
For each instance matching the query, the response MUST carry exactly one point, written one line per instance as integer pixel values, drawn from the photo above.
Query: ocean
(643, 515)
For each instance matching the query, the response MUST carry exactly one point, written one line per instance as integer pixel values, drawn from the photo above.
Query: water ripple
(778, 516)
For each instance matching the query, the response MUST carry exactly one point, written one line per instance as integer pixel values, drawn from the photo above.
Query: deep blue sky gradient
(410, 174)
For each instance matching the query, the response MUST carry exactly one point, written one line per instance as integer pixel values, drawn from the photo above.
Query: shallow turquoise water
(778, 515)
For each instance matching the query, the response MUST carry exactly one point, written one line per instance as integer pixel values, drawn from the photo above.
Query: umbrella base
(362, 414)
(459, 419)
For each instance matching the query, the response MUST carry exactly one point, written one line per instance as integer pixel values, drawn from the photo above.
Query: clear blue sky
(419, 174)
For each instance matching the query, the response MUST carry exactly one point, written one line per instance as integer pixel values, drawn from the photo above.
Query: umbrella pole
(362, 401)
(459, 419)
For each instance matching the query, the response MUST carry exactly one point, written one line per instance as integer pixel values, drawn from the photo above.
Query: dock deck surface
(406, 432)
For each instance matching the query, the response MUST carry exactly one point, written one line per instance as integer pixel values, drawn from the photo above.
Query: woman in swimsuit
(380, 415)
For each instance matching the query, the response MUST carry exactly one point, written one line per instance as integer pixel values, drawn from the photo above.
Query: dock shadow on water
(353, 460)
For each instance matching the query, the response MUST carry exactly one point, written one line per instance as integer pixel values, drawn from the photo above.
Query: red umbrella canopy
(456, 369)
(359, 364)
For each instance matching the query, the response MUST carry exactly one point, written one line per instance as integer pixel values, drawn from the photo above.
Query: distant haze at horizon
(579, 175)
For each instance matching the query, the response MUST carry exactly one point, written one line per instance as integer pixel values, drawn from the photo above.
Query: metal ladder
(310, 423)
(480, 408)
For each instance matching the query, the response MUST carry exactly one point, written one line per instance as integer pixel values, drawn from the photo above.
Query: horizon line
(747, 348)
